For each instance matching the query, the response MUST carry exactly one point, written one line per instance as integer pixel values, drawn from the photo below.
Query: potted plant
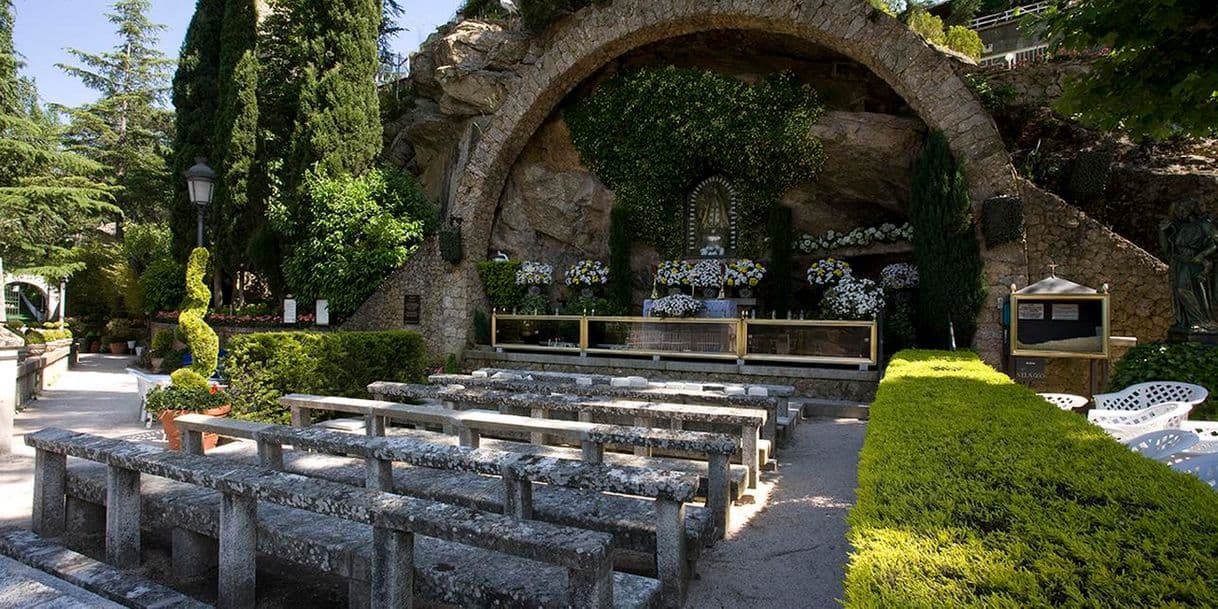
(587, 275)
(187, 395)
(162, 344)
(744, 275)
(119, 333)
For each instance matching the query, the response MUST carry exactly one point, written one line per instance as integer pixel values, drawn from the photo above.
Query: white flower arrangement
(587, 273)
(535, 273)
(899, 276)
(828, 271)
(744, 273)
(859, 237)
(706, 274)
(673, 273)
(677, 305)
(854, 298)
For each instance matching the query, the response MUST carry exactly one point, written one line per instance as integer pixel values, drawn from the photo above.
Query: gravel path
(789, 549)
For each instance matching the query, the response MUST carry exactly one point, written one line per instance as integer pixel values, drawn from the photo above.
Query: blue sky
(45, 27)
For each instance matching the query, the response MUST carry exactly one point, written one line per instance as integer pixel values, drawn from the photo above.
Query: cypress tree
(195, 99)
(952, 287)
(778, 229)
(621, 276)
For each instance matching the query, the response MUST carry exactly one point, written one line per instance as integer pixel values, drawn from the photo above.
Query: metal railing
(852, 343)
(1016, 58)
(1009, 15)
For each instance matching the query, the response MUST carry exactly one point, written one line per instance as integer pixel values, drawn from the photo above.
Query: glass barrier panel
(523, 331)
(711, 338)
(796, 340)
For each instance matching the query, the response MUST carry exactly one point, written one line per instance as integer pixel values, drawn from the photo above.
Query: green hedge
(262, 367)
(1187, 363)
(973, 492)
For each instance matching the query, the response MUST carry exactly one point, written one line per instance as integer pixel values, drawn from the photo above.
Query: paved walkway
(790, 550)
(97, 396)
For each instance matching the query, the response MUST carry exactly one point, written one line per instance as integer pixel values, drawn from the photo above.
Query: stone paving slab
(22, 586)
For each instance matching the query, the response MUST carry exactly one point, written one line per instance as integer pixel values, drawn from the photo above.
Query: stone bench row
(518, 473)
(784, 391)
(395, 519)
(747, 423)
(591, 437)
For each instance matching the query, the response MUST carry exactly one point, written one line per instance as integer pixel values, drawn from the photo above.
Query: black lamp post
(200, 183)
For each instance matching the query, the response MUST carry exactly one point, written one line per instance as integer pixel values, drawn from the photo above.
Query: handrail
(1009, 15)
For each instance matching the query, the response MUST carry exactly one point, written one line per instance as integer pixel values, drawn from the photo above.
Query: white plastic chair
(1207, 433)
(1201, 466)
(1124, 425)
(1145, 395)
(1163, 444)
(1065, 401)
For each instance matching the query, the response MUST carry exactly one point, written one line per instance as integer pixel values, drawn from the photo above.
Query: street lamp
(200, 183)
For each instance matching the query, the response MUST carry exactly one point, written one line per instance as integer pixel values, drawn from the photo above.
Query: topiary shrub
(499, 283)
(965, 41)
(1183, 362)
(945, 246)
(200, 338)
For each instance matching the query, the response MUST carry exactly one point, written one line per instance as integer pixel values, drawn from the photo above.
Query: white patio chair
(1065, 401)
(1124, 425)
(1145, 395)
(1163, 444)
(1207, 434)
(1201, 466)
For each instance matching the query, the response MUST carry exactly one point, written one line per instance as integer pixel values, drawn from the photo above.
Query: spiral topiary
(202, 340)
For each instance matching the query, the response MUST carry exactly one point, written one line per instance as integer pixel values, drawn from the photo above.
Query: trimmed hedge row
(973, 492)
(263, 367)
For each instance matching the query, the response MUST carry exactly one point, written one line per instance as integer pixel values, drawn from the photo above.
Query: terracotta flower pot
(174, 437)
(118, 348)
(157, 362)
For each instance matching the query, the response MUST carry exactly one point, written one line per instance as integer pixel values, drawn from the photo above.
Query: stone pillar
(592, 452)
(670, 550)
(122, 517)
(591, 588)
(392, 569)
(378, 474)
(748, 450)
(517, 495)
(468, 437)
(238, 552)
(270, 455)
(50, 486)
(9, 345)
(718, 489)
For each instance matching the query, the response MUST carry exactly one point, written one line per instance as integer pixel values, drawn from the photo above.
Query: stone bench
(777, 407)
(591, 437)
(399, 565)
(545, 376)
(664, 537)
(122, 587)
(745, 422)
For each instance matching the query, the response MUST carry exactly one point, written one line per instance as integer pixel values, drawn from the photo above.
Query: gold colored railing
(777, 340)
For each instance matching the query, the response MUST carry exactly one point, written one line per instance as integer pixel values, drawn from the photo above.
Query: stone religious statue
(710, 210)
(1190, 242)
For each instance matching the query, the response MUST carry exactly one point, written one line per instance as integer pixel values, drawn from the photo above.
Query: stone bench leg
(50, 491)
(192, 442)
(718, 487)
(749, 437)
(378, 474)
(392, 569)
(538, 437)
(642, 451)
(374, 426)
(270, 455)
(591, 588)
(238, 552)
(517, 495)
(301, 417)
(194, 555)
(467, 437)
(592, 452)
(670, 550)
(122, 517)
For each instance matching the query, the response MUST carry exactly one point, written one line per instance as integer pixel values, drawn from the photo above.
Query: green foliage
(499, 283)
(926, 25)
(1089, 174)
(653, 134)
(41, 336)
(452, 247)
(1186, 363)
(263, 367)
(992, 97)
(1161, 74)
(188, 379)
(962, 12)
(975, 493)
(965, 41)
(482, 328)
(202, 340)
(106, 286)
(778, 288)
(538, 304)
(161, 286)
(537, 15)
(945, 246)
(483, 9)
(162, 343)
(621, 275)
(900, 315)
(452, 364)
(361, 229)
(144, 244)
(186, 396)
(587, 305)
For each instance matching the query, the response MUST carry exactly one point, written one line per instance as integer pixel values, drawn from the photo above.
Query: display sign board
(1060, 325)
(1030, 369)
(412, 309)
(289, 311)
(323, 313)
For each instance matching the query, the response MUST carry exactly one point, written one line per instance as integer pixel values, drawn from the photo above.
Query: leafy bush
(190, 398)
(1186, 363)
(927, 26)
(162, 343)
(965, 41)
(974, 492)
(359, 230)
(499, 283)
(536, 15)
(263, 367)
(161, 285)
(144, 244)
(41, 336)
(452, 364)
(202, 340)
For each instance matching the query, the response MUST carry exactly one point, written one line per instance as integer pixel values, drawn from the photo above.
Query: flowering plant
(673, 273)
(706, 274)
(854, 298)
(587, 273)
(828, 272)
(677, 305)
(189, 398)
(535, 273)
(900, 276)
(859, 237)
(744, 273)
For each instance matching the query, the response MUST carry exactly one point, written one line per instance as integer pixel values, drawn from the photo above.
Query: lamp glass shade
(200, 190)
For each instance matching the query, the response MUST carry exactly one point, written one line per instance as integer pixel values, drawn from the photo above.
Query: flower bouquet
(744, 274)
(900, 276)
(535, 274)
(853, 298)
(677, 305)
(587, 274)
(673, 273)
(828, 272)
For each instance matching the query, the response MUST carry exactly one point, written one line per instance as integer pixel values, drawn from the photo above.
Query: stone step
(831, 409)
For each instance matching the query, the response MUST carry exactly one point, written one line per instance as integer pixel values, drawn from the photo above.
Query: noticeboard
(412, 309)
(1060, 325)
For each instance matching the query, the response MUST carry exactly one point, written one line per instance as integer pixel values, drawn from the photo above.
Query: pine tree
(48, 197)
(952, 287)
(127, 128)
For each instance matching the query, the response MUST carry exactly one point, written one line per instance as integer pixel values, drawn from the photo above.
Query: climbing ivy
(652, 134)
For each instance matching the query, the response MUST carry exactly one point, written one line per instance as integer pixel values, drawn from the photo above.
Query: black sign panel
(1029, 369)
(412, 309)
